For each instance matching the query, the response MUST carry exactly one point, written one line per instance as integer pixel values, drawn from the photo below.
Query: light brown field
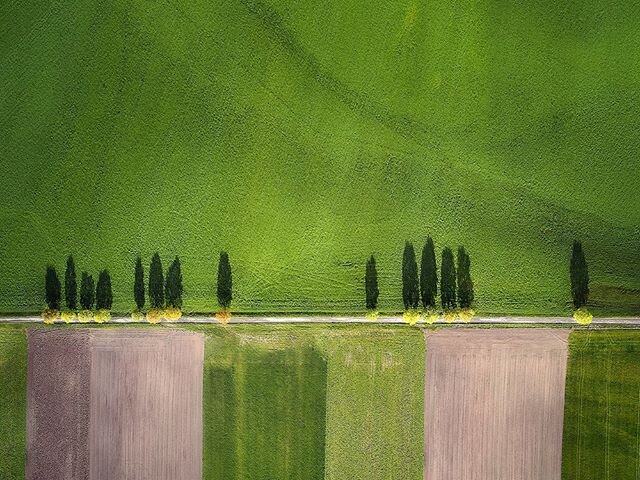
(140, 414)
(494, 404)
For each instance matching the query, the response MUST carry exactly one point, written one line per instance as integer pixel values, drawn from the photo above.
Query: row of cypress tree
(161, 292)
(99, 295)
(456, 285)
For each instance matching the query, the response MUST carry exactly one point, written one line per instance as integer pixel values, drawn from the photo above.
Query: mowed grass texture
(13, 402)
(602, 406)
(313, 402)
(303, 136)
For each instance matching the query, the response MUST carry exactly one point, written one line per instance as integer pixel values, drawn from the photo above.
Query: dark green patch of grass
(602, 406)
(13, 402)
(264, 409)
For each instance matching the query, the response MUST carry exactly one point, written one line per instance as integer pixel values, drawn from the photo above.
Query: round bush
(450, 316)
(137, 317)
(68, 316)
(430, 316)
(372, 315)
(155, 315)
(411, 316)
(467, 314)
(102, 316)
(583, 316)
(49, 316)
(172, 314)
(85, 316)
(223, 316)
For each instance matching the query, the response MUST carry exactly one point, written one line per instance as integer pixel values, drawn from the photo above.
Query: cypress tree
(410, 293)
(138, 285)
(579, 276)
(156, 282)
(87, 291)
(428, 275)
(225, 282)
(173, 288)
(371, 284)
(448, 280)
(465, 284)
(104, 295)
(52, 289)
(70, 285)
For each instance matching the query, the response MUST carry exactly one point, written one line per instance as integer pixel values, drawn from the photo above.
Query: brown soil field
(141, 415)
(494, 404)
(58, 405)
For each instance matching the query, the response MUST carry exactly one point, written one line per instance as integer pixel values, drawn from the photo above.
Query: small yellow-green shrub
(50, 316)
(372, 315)
(102, 316)
(467, 314)
(137, 317)
(155, 315)
(411, 316)
(223, 316)
(430, 316)
(583, 316)
(450, 316)
(68, 316)
(172, 314)
(85, 316)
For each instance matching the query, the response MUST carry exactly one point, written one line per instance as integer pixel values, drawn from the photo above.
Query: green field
(303, 136)
(13, 401)
(602, 406)
(309, 402)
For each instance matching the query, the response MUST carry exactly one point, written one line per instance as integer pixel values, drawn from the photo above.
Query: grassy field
(303, 136)
(313, 402)
(602, 406)
(13, 401)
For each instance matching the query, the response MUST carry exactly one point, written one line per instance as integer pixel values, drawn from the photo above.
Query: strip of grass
(13, 401)
(372, 379)
(602, 406)
(264, 408)
(375, 403)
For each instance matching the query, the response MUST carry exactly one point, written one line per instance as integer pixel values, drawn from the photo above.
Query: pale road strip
(360, 320)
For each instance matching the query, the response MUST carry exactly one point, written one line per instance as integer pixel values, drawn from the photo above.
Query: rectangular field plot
(13, 401)
(494, 404)
(114, 404)
(602, 406)
(264, 409)
(311, 402)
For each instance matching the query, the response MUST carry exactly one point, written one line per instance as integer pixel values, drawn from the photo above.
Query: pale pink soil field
(494, 404)
(141, 415)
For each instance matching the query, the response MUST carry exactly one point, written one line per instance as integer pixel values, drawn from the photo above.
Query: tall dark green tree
(52, 289)
(225, 282)
(410, 292)
(465, 283)
(448, 280)
(138, 285)
(173, 287)
(87, 291)
(70, 285)
(104, 294)
(579, 276)
(371, 284)
(428, 275)
(156, 282)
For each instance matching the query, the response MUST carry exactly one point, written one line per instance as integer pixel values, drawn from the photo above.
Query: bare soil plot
(126, 404)
(494, 402)
(58, 405)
